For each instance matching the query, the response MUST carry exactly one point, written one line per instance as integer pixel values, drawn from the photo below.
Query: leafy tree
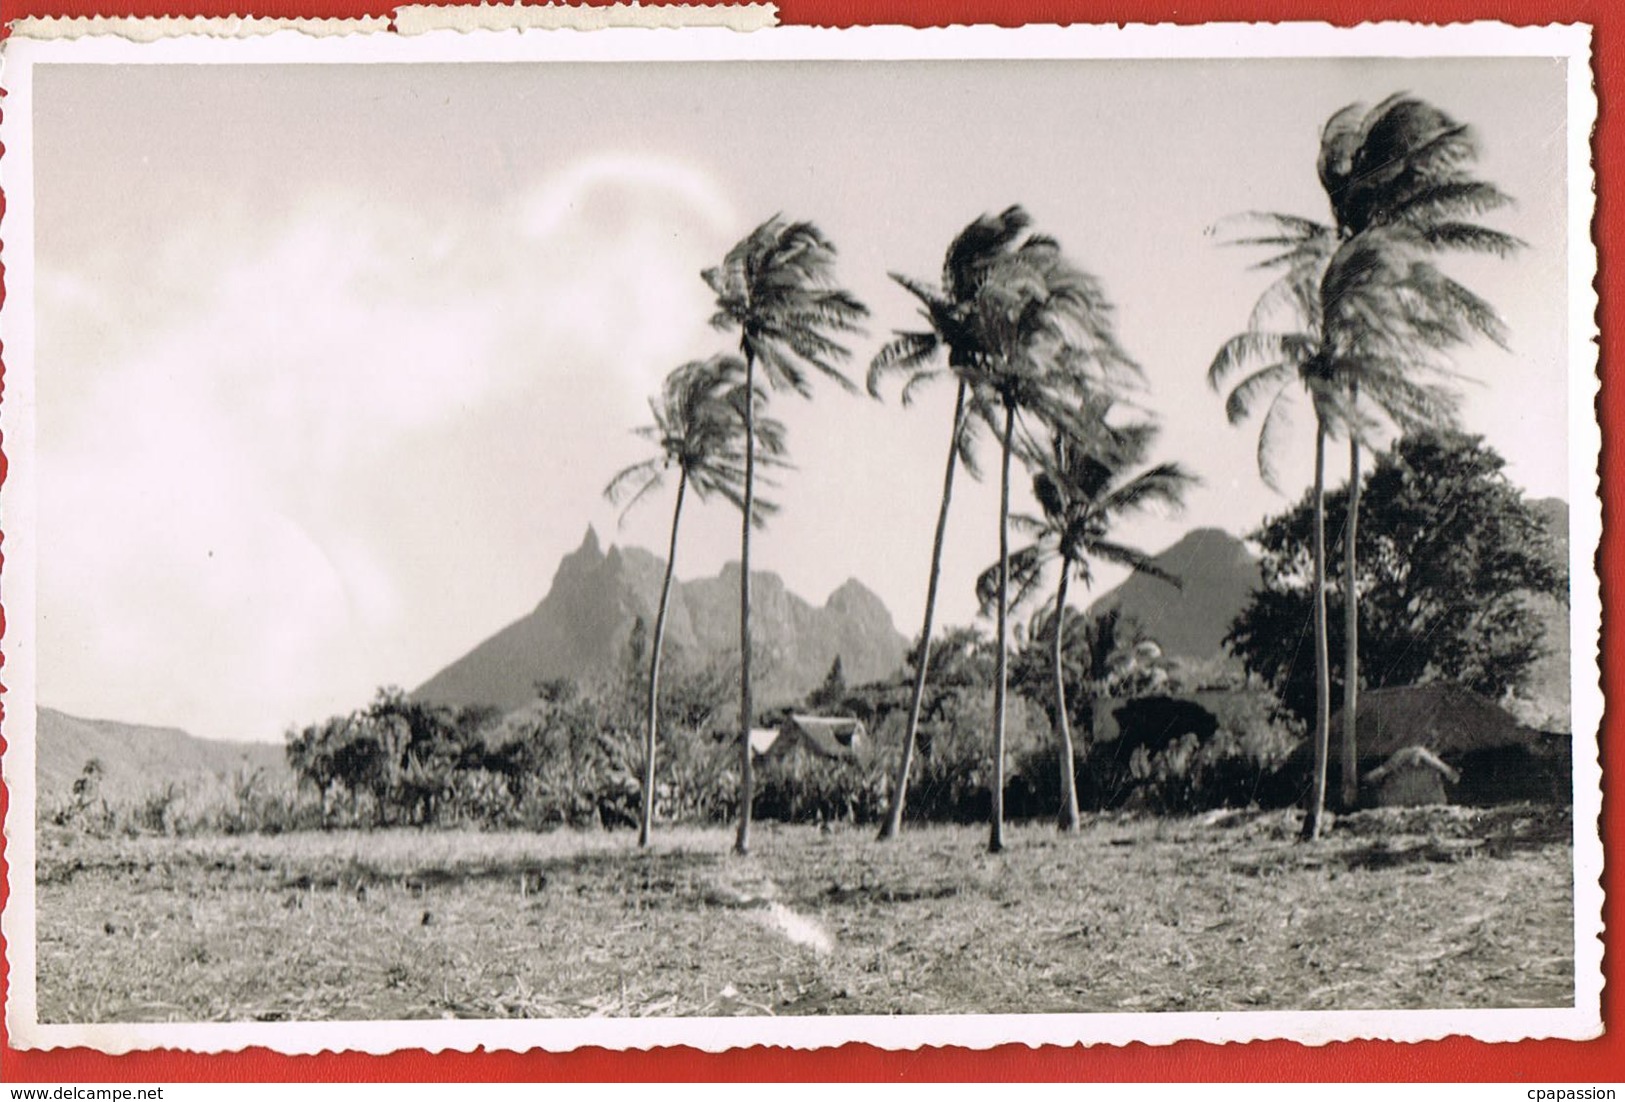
(403, 753)
(697, 429)
(1446, 558)
(832, 692)
(776, 288)
(1082, 498)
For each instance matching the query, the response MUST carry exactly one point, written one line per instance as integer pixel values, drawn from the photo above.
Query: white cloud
(221, 487)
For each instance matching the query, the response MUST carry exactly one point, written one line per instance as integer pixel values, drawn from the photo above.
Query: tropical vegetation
(1083, 498)
(1450, 561)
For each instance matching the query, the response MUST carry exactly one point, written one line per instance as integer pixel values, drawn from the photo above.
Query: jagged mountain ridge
(581, 627)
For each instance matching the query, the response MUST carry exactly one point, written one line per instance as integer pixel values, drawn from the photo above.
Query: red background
(1455, 1059)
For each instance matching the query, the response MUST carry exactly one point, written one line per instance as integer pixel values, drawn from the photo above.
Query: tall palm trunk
(1350, 795)
(894, 816)
(995, 841)
(747, 781)
(1069, 778)
(1323, 675)
(645, 824)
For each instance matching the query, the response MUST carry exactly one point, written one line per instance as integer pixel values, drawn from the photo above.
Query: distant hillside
(136, 759)
(1218, 575)
(582, 625)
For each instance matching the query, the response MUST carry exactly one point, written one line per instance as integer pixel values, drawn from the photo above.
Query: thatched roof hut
(1497, 758)
(1446, 719)
(1413, 777)
(833, 737)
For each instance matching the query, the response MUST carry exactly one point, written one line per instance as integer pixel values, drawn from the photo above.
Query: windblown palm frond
(950, 310)
(777, 287)
(1026, 576)
(1280, 354)
(1404, 160)
(697, 429)
(1083, 494)
(953, 311)
(1391, 318)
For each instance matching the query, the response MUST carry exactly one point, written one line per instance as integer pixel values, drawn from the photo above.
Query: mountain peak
(1219, 575)
(580, 629)
(586, 556)
(576, 566)
(852, 595)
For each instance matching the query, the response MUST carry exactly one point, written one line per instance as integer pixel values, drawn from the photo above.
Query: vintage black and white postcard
(698, 537)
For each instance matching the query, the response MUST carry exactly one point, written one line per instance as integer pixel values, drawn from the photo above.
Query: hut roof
(828, 736)
(1445, 719)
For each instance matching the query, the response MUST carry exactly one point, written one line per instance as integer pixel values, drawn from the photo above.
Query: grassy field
(1423, 908)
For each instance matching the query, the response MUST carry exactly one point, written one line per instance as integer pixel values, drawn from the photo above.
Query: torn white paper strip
(413, 19)
(153, 28)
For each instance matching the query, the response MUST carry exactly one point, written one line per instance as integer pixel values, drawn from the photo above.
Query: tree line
(1449, 562)
(1359, 319)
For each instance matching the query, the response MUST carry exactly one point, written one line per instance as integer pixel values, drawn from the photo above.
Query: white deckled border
(1584, 444)
(414, 19)
(431, 42)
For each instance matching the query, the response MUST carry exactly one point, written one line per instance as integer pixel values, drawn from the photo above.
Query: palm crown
(1020, 325)
(1082, 495)
(950, 311)
(1404, 163)
(777, 288)
(1360, 316)
(699, 430)
(1047, 346)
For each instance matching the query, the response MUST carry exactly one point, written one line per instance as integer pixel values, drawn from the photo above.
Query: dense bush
(573, 757)
(1174, 755)
(801, 788)
(1237, 763)
(696, 777)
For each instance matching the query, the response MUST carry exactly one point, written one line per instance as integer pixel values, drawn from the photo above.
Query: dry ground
(1435, 908)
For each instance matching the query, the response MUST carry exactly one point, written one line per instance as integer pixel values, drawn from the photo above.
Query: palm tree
(1280, 351)
(949, 312)
(698, 430)
(1048, 354)
(1360, 323)
(777, 288)
(1401, 166)
(1082, 495)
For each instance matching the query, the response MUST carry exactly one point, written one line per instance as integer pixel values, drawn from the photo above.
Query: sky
(334, 361)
